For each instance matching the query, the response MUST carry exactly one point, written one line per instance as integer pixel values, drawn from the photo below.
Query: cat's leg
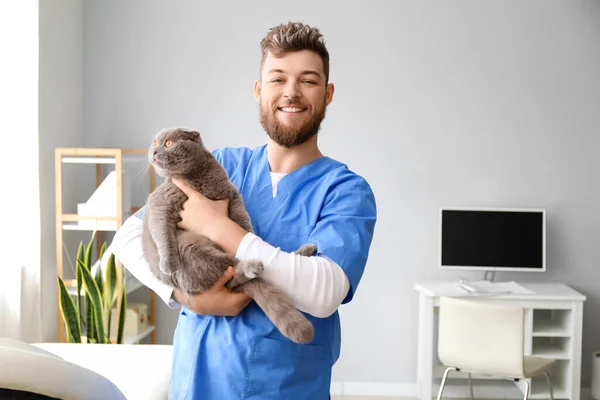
(238, 213)
(245, 271)
(307, 250)
(162, 222)
(203, 263)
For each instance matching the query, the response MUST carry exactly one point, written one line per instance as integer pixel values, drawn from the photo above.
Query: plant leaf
(92, 290)
(69, 313)
(99, 280)
(102, 250)
(88, 253)
(78, 276)
(111, 282)
(122, 311)
(110, 289)
(89, 322)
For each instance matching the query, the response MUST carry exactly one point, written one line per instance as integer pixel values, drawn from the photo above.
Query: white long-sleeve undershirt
(316, 285)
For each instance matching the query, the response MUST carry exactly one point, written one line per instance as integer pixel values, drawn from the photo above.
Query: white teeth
(291, 109)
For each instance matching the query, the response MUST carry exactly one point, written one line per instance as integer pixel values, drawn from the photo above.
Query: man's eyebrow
(307, 72)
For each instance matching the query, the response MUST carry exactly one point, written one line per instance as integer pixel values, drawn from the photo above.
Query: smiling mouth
(291, 109)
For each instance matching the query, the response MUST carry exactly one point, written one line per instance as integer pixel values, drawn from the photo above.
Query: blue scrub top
(246, 357)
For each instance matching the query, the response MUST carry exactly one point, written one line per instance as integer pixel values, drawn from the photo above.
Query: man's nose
(292, 91)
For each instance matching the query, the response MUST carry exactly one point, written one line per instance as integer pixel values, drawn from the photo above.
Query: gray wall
(60, 121)
(462, 103)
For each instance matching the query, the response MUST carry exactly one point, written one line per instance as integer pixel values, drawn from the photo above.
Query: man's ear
(329, 93)
(257, 89)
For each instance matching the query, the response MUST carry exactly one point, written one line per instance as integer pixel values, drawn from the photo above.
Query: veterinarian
(224, 345)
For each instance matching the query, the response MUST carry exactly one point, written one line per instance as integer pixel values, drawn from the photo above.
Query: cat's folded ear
(192, 135)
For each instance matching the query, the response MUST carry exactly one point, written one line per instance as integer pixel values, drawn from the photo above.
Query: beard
(288, 136)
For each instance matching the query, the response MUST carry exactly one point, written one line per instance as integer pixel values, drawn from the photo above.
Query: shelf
(74, 226)
(135, 339)
(543, 394)
(550, 328)
(551, 323)
(88, 160)
(551, 353)
(552, 347)
(559, 374)
(99, 160)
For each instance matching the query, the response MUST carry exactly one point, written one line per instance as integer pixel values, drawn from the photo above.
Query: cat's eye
(168, 143)
(155, 143)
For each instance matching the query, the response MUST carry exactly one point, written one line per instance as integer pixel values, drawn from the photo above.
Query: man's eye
(277, 80)
(311, 82)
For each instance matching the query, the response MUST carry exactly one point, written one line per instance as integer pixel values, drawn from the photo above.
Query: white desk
(553, 325)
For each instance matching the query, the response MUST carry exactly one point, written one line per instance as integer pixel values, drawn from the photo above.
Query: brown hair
(295, 36)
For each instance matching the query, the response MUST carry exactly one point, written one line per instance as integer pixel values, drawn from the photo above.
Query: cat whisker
(145, 168)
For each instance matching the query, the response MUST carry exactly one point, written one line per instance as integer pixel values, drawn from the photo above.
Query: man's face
(292, 95)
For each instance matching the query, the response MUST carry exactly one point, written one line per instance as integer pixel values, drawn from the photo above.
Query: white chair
(483, 338)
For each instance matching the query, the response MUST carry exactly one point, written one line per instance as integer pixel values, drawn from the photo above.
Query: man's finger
(240, 299)
(227, 275)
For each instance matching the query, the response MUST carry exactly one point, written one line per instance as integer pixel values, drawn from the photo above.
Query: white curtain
(19, 165)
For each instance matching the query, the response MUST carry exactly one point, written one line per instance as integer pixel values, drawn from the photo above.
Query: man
(224, 346)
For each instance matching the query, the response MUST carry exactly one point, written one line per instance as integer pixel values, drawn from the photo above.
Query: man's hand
(199, 214)
(217, 300)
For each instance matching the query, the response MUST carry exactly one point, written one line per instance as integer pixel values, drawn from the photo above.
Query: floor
(336, 397)
(370, 398)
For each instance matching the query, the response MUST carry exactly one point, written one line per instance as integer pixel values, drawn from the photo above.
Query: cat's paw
(245, 271)
(307, 250)
(253, 268)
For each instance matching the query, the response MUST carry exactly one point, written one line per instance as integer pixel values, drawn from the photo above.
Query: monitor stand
(489, 276)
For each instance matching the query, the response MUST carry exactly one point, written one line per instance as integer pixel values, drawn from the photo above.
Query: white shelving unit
(552, 336)
(70, 222)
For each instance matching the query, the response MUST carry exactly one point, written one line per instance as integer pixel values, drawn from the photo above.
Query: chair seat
(533, 366)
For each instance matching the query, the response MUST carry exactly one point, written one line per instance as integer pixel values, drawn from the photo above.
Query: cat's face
(175, 151)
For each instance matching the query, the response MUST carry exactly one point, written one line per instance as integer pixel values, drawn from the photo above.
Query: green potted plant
(100, 296)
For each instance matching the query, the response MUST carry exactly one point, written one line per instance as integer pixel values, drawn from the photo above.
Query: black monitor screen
(499, 239)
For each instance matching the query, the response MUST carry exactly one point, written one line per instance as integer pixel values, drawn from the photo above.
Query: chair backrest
(481, 336)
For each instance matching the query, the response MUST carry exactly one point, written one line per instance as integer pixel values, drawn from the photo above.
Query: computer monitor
(493, 239)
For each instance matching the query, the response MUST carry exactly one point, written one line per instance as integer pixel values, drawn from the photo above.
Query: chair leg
(526, 396)
(471, 387)
(549, 380)
(439, 397)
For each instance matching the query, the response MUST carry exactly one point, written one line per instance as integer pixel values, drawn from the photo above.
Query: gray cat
(193, 263)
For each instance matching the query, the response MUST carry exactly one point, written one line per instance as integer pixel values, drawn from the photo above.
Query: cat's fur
(193, 263)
